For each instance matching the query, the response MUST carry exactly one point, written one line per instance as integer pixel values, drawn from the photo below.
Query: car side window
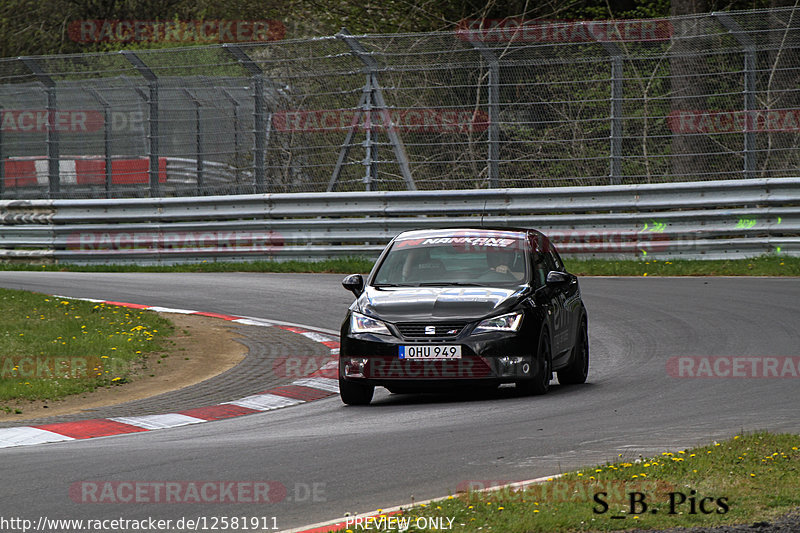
(548, 257)
(556, 259)
(540, 268)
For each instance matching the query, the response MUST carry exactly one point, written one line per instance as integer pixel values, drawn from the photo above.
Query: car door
(559, 318)
(570, 303)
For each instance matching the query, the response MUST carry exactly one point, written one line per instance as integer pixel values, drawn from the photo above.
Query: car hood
(409, 304)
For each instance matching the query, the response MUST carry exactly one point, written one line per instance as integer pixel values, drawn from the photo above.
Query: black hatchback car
(463, 308)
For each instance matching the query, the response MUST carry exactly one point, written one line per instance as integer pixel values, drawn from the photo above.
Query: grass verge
(747, 479)
(768, 265)
(53, 347)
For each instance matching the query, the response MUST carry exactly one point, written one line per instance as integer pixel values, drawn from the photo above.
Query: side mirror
(556, 278)
(354, 283)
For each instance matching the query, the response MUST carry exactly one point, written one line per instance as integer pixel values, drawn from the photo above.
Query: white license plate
(438, 351)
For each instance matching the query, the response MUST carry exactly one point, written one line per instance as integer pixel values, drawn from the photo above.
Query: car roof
(470, 230)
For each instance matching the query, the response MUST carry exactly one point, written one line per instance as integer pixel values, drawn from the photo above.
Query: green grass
(339, 265)
(53, 347)
(746, 479)
(767, 265)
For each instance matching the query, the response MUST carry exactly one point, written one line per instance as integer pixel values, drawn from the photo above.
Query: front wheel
(355, 393)
(540, 383)
(578, 369)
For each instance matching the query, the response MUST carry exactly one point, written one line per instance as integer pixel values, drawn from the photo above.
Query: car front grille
(418, 330)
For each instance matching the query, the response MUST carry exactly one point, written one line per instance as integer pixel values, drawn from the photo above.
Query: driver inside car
(505, 264)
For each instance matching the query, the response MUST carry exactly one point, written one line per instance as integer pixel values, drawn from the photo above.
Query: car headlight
(509, 322)
(363, 324)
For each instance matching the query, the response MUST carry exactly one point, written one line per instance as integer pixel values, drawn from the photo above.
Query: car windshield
(454, 260)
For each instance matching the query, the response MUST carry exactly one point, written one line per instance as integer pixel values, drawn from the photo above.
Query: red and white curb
(314, 387)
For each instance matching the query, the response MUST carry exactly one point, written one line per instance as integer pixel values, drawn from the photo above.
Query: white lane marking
(265, 402)
(253, 322)
(296, 325)
(25, 435)
(169, 420)
(81, 299)
(158, 309)
(318, 337)
(327, 384)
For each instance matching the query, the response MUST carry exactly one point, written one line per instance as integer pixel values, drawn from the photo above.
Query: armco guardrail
(721, 219)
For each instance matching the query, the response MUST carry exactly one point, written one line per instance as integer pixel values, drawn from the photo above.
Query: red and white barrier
(88, 170)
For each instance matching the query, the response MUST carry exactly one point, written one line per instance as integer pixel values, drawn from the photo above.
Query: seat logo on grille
(430, 330)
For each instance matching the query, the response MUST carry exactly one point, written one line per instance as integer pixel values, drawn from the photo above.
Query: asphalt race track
(359, 459)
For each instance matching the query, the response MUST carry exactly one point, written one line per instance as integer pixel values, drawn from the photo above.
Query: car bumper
(486, 360)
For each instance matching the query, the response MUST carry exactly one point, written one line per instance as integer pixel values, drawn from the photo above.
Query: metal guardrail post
(153, 116)
(198, 141)
(377, 95)
(615, 148)
(53, 155)
(749, 48)
(260, 132)
(494, 112)
(106, 139)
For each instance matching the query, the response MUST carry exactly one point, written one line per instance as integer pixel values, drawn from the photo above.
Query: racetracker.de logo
(563, 31)
(41, 120)
(300, 366)
(204, 492)
(727, 367)
(176, 31)
(254, 241)
(427, 120)
(762, 120)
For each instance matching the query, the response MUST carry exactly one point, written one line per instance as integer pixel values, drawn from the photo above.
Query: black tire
(540, 383)
(355, 393)
(578, 369)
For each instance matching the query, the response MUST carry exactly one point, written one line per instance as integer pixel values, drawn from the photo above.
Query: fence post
(494, 112)
(152, 82)
(377, 96)
(615, 148)
(344, 150)
(749, 49)
(2, 159)
(106, 139)
(53, 155)
(260, 132)
(370, 146)
(235, 104)
(198, 141)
